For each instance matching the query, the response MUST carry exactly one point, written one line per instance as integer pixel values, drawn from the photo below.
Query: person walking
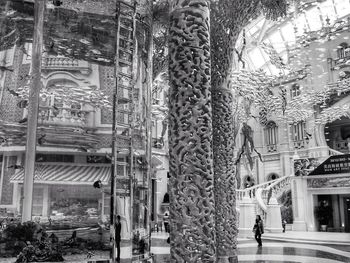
(166, 222)
(258, 230)
(118, 228)
(284, 222)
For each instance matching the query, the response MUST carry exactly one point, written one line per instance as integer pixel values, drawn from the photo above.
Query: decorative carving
(226, 24)
(328, 182)
(224, 174)
(192, 232)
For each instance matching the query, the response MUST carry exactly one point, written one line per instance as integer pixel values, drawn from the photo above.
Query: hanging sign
(337, 164)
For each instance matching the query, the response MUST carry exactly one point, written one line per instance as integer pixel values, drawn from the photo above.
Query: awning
(66, 174)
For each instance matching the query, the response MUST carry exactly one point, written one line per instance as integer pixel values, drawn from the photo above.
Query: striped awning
(66, 174)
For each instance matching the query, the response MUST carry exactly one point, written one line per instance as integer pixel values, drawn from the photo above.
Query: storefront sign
(336, 164)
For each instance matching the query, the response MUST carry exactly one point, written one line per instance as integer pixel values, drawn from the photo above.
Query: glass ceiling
(268, 39)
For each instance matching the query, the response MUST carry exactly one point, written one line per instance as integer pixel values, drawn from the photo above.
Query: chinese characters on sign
(334, 165)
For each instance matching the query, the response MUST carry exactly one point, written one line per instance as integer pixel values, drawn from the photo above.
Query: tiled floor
(303, 247)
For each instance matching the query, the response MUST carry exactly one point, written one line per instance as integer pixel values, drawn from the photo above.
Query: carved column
(224, 33)
(224, 176)
(190, 134)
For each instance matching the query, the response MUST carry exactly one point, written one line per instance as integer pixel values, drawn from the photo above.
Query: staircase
(264, 199)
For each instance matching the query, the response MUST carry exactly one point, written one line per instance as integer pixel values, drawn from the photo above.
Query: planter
(85, 233)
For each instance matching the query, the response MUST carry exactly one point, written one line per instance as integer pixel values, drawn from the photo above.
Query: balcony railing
(342, 62)
(63, 116)
(272, 148)
(299, 144)
(64, 63)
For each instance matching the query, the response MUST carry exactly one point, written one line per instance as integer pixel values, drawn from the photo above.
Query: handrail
(250, 191)
(264, 194)
(276, 182)
(334, 152)
(259, 199)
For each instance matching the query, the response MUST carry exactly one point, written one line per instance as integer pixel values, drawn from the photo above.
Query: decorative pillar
(224, 176)
(190, 134)
(246, 217)
(274, 219)
(33, 108)
(300, 203)
(226, 24)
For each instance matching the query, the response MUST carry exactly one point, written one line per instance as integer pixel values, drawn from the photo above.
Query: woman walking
(258, 230)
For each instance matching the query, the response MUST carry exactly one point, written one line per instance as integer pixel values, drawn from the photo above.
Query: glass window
(298, 131)
(343, 50)
(295, 90)
(271, 133)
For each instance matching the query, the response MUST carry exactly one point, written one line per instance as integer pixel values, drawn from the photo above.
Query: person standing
(118, 228)
(258, 230)
(166, 222)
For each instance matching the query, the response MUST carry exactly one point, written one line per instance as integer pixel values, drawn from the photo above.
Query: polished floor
(303, 247)
(300, 247)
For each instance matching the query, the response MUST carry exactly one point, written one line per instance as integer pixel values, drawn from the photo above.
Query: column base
(274, 230)
(299, 226)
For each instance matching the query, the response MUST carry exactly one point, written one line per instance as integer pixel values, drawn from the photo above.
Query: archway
(272, 176)
(248, 181)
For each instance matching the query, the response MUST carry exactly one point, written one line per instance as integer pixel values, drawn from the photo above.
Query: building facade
(314, 50)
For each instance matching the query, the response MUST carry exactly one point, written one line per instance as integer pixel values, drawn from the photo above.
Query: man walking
(118, 228)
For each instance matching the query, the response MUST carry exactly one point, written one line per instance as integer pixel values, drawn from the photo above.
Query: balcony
(341, 62)
(64, 116)
(272, 148)
(52, 63)
(300, 144)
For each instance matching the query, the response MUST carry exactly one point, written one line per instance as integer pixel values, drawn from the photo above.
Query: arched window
(272, 177)
(295, 90)
(343, 50)
(298, 134)
(248, 182)
(271, 136)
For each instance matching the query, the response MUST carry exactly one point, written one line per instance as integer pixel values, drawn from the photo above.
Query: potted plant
(323, 214)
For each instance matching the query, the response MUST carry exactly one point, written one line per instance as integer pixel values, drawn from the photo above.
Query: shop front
(66, 193)
(321, 200)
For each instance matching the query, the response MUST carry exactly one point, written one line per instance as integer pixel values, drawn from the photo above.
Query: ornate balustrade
(63, 116)
(299, 144)
(272, 148)
(64, 63)
(342, 62)
(334, 152)
(250, 192)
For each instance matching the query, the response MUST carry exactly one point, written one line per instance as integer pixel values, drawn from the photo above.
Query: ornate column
(224, 33)
(190, 134)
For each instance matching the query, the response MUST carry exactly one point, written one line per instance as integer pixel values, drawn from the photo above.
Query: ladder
(124, 111)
